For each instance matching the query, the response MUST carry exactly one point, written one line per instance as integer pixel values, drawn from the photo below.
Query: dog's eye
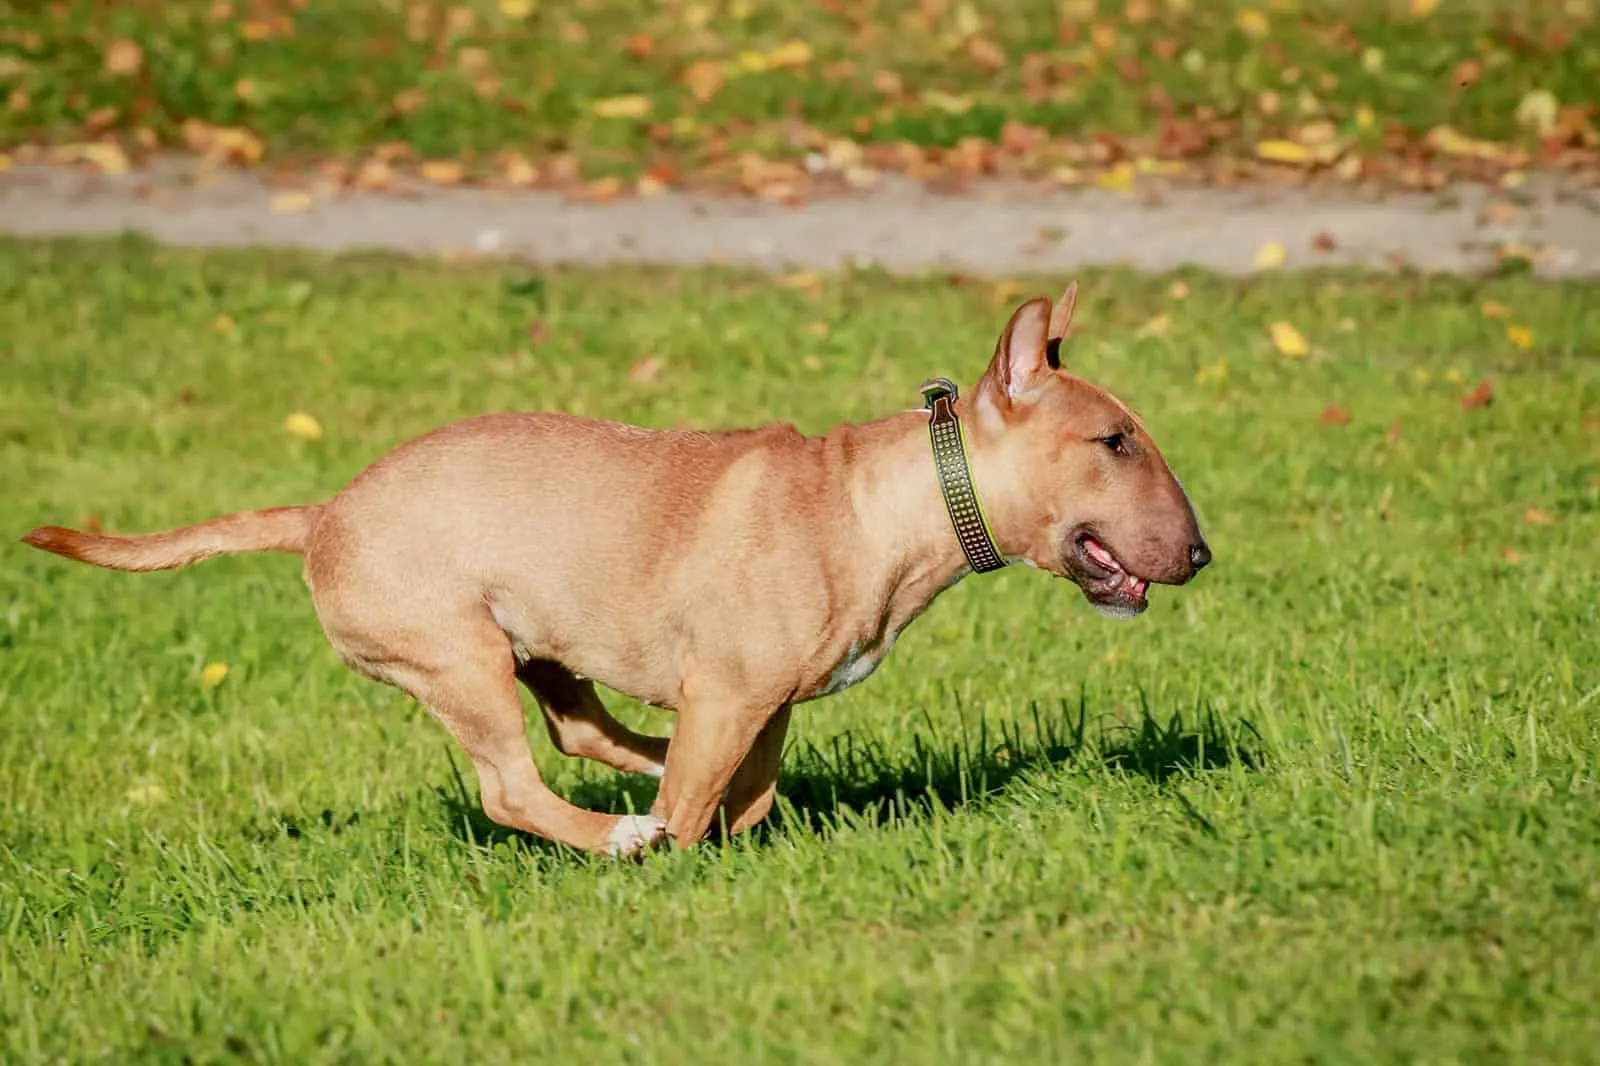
(1114, 442)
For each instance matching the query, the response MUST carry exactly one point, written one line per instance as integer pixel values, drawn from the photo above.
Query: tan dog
(728, 576)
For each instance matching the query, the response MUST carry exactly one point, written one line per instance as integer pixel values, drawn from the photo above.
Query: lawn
(1335, 801)
(540, 93)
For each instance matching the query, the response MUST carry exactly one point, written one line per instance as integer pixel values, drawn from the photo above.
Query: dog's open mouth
(1106, 582)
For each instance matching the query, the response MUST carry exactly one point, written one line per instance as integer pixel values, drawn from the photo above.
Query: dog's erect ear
(1060, 322)
(1019, 364)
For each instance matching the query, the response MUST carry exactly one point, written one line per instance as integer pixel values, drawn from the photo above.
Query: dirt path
(988, 232)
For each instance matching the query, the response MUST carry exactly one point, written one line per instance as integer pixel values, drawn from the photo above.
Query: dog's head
(1069, 476)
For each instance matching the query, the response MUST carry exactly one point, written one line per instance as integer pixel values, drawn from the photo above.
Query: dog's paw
(634, 834)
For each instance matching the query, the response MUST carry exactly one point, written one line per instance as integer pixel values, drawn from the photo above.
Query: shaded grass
(1335, 801)
(467, 80)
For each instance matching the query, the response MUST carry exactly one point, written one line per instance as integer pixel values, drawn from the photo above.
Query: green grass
(1336, 801)
(465, 80)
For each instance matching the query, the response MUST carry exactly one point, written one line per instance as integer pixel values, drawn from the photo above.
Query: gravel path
(988, 231)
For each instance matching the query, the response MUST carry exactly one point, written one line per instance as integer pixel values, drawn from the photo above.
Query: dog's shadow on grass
(866, 780)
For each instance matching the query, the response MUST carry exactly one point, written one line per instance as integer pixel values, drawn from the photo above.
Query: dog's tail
(277, 529)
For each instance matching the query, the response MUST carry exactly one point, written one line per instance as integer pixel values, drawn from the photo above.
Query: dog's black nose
(1199, 555)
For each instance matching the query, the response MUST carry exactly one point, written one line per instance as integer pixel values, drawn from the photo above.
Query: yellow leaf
(1364, 117)
(633, 105)
(1271, 256)
(804, 281)
(967, 20)
(517, 9)
(1372, 60)
(947, 102)
(145, 794)
(1495, 309)
(105, 156)
(1521, 336)
(214, 674)
(1118, 179)
(789, 54)
(1284, 152)
(1423, 8)
(288, 203)
(442, 171)
(1217, 371)
(1450, 141)
(304, 426)
(1288, 340)
(1252, 23)
(1538, 111)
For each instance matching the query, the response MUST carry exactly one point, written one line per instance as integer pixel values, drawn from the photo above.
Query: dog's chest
(859, 660)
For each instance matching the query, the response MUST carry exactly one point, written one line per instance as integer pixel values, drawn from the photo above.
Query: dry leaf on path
(289, 203)
(1270, 256)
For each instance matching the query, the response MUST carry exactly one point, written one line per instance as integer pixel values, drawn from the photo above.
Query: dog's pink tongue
(1101, 556)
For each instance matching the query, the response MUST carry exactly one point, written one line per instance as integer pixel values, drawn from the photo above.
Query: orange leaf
(1536, 516)
(1481, 396)
(442, 171)
(1334, 415)
(123, 58)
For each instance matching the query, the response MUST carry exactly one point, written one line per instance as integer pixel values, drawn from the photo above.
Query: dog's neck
(908, 545)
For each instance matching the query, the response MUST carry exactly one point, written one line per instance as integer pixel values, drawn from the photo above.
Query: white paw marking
(633, 833)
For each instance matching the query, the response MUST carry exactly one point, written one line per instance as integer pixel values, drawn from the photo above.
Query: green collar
(955, 477)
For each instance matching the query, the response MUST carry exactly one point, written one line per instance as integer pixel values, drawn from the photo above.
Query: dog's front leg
(710, 742)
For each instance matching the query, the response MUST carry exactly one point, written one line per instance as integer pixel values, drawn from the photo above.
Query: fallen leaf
(639, 45)
(214, 674)
(1447, 140)
(288, 203)
(1334, 415)
(632, 105)
(145, 795)
(1511, 555)
(1118, 179)
(1481, 396)
(1159, 326)
(517, 9)
(1178, 291)
(123, 58)
(1500, 212)
(1210, 372)
(1538, 111)
(1392, 437)
(1288, 340)
(1537, 516)
(299, 424)
(802, 281)
(1271, 256)
(105, 156)
(794, 53)
(1324, 242)
(818, 329)
(374, 175)
(949, 103)
(538, 331)
(442, 171)
(1521, 336)
(1423, 8)
(703, 78)
(645, 370)
(1252, 23)
(1467, 72)
(1495, 309)
(1287, 152)
(223, 323)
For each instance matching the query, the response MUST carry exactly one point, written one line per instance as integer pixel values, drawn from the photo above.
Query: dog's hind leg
(467, 678)
(579, 723)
